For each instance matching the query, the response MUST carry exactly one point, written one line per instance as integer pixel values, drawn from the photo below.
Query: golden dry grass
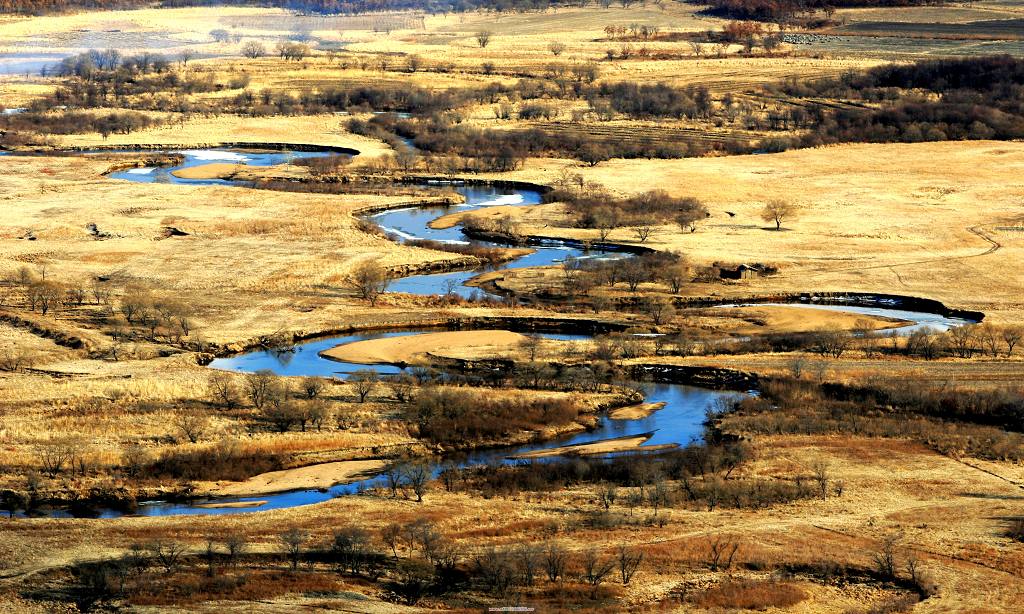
(934, 220)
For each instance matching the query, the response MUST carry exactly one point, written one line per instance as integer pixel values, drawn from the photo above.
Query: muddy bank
(705, 377)
(434, 180)
(851, 299)
(539, 241)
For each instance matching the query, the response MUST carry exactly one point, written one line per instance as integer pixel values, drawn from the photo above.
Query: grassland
(941, 222)
(259, 268)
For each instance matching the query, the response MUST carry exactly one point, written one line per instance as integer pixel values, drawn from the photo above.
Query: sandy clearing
(605, 446)
(412, 347)
(635, 412)
(216, 170)
(323, 475)
(800, 319)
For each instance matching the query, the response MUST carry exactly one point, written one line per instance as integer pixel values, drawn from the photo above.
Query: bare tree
(167, 553)
(391, 535)
(677, 274)
(222, 390)
(607, 495)
(293, 541)
(312, 387)
(1011, 337)
(253, 50)
(821, 477)
(369, 280)
(629, 562)
(417, 477)
(483, 38)
(721, 552)
(220, 35)
(528, 562)
(660, 309)
(364, 381)
(595, 567)
(778, 211)
(555, 562)
(963, 340)
(643, 231)
(989, 337)
(192, 424)
(259, 387)
(235, 545)
(556, 48)
(531, 346)
(885, 557)
(185, 55)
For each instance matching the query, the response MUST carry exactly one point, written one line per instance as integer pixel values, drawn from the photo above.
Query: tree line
(930, 100)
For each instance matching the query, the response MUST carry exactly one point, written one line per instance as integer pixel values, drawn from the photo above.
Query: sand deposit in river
(393, 350)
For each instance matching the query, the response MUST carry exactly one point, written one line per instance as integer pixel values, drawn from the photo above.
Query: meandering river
(679, 422)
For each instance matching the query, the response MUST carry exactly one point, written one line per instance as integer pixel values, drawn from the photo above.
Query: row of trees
(969, 98)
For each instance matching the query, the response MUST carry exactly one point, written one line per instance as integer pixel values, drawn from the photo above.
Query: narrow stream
(679, 422)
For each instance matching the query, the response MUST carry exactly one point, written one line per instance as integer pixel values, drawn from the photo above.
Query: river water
(681, 420)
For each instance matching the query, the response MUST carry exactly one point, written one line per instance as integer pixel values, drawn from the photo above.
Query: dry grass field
(873, 218)
(255, 268)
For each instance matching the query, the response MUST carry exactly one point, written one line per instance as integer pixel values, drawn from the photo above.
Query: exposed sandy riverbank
(406, 349)
(215, 170)
(323, 475)
(605, 446)
(635, 412)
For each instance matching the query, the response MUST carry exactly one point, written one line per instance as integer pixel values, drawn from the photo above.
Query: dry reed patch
(192, 587)
(750, 595)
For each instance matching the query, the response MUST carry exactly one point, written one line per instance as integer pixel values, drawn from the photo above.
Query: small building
(746, 271)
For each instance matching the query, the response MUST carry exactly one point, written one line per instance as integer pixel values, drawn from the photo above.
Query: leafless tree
(607, 495)
(531, 346)
(166, 553)
(483, 38)
(677, 274)
(1011, 337)
(885, 557)
(235, 545)
(629, 562)
(369, 280)
(556, 48)
(821, 477)
(391, 535)
(222, 390)
(555, 562)
(312, 387)
(595, 567)
(528, 562)
(989, 337)
(778, 211)
(192, 424)
(293, 541)
(721, 551)
(364, 381)
(417, 478)
(259, 387)
(660, 310)
(963, 340)
(186, 55)
(253, 50)
(643, 231)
